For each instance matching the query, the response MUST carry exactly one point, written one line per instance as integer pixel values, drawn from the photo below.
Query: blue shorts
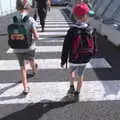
(78, 69)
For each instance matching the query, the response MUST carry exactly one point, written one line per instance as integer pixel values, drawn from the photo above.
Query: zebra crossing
(55, 29)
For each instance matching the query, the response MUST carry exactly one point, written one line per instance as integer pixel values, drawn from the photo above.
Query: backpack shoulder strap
(81, 33)
(19, 19)
(25, 19)
(76, 31)
(15, 19)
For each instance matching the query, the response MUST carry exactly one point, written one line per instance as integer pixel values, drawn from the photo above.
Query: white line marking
(98, 63)
(55, 91)
(42, 49)
(52, 41)
(45, 39)
(58, 29)
(52, 34)
(100, 91)
(51, 64)
(55, 25)
(56, 22)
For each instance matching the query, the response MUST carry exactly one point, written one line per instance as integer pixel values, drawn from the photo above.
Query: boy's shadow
(37, 110)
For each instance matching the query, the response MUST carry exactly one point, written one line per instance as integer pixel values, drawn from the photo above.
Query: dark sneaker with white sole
(76, 96)
(26, 92)
(71, 90)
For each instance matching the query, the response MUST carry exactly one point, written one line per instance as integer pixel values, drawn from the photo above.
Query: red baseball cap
(81, 9)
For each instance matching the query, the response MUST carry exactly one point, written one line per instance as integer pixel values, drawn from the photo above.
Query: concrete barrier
(108, 20)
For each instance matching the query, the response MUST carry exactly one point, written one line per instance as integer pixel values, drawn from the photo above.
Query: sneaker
(71, 90)
(76, 95)
(26, 92)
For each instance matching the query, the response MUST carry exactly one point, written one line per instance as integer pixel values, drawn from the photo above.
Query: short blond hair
(21, 4)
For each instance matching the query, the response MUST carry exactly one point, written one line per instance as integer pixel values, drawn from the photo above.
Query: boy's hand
(62, 65)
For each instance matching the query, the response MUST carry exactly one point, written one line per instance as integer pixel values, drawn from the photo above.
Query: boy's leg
(80, 77)
(34, 66)
(79, 83)
(72, 79)
(23, 71)
(24, 80)
(31, 58)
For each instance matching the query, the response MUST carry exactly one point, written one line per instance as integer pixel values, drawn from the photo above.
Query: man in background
(42, 6)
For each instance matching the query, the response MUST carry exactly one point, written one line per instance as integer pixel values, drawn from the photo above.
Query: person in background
(42, 6)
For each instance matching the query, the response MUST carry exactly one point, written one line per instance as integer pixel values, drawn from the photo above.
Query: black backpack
(83, 45)
(19, 33)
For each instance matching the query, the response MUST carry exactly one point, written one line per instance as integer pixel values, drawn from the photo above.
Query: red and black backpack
(83, 45)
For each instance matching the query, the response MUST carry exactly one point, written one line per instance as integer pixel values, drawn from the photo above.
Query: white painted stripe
(98, 63)
(57, 22)
(53, 19)
(56, 91)
(52, 64)
(52, 41)
(58, 28)
(54, 25)
(42, 49)
(53, 33)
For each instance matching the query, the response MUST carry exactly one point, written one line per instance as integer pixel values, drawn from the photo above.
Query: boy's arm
(34, 29)
(64, 54)
(35, 33)
(66, 48)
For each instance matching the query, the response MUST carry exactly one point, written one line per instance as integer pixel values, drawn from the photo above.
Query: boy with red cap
(76, 66)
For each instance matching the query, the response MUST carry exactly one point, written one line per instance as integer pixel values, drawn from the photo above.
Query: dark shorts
(25, 56)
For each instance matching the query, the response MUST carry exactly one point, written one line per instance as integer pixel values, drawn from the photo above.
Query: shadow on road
(8, 87)
(37, 110)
